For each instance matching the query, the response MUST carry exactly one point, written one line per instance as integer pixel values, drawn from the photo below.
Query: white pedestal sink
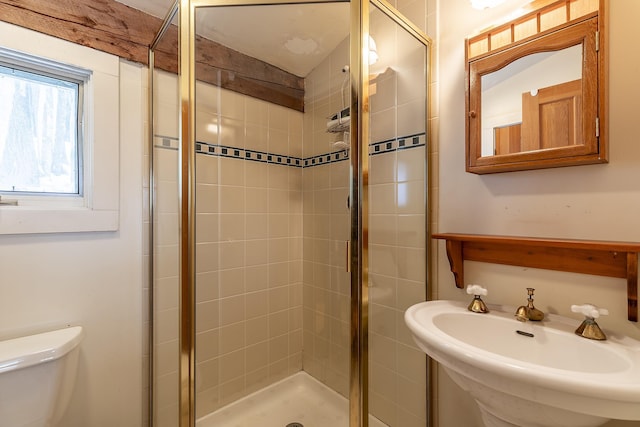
(533, 374)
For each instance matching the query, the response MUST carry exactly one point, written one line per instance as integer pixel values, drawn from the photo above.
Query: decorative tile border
(324, 159)
(244, 154)
(402, 143)
(166, 142)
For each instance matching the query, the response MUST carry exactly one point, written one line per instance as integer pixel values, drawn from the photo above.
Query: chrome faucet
(529, 312)
(477, 305)
(589, 328)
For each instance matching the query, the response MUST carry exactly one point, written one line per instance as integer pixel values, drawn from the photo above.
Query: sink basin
(533, 374)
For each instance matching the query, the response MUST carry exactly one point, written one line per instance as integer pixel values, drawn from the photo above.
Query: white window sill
(29, 220)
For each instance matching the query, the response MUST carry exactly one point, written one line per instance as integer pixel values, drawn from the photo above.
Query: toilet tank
(37, 376)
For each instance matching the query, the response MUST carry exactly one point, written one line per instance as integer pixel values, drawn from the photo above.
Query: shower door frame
(358, 193)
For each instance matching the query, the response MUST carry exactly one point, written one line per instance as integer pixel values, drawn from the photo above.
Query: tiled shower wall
(165, 251)
(248, 247)
(397, 259)
(326, 282)
(249, 227)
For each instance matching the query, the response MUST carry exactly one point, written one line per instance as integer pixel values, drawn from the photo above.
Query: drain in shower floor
(294, 425)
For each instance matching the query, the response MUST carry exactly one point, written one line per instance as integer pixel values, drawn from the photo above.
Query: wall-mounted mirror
(536, 91)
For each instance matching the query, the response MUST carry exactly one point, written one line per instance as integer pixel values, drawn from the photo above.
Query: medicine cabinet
(536, 90)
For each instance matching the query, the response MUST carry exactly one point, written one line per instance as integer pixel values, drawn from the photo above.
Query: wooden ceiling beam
(120, 30)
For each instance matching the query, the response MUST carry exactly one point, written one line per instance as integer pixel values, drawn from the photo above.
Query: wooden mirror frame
(551, 27)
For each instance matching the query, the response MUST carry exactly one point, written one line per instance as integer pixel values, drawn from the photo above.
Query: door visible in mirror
(533, 103)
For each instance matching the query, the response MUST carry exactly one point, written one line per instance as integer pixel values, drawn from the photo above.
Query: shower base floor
(297, 399)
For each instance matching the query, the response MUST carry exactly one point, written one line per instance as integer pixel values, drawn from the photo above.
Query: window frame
(32, 65)
(97, 209)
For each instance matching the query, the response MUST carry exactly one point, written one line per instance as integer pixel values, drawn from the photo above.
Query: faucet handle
(477, 305)
(589, 310)
(589, 328)
(476, 290)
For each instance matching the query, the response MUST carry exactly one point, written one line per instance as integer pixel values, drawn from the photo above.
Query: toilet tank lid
(26, 351)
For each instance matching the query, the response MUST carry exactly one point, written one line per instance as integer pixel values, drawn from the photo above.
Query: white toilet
(37, 376)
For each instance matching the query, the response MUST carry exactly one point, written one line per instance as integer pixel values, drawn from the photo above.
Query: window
(40, 132)
(59, 135)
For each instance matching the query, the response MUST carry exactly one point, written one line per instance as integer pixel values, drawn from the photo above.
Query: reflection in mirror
(533, 103)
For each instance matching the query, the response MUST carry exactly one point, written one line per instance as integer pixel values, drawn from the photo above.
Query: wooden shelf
(601, 258)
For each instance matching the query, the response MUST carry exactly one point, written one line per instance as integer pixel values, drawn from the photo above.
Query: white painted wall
(598, 202)
(48, 281)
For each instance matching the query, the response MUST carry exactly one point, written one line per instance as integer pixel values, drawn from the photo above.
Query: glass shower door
(271, 212)
(397, 217)
(164, 236)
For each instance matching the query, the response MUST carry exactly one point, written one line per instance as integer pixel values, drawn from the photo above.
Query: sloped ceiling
(295, 38)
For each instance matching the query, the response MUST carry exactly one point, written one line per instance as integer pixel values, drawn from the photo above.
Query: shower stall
(289, 165)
